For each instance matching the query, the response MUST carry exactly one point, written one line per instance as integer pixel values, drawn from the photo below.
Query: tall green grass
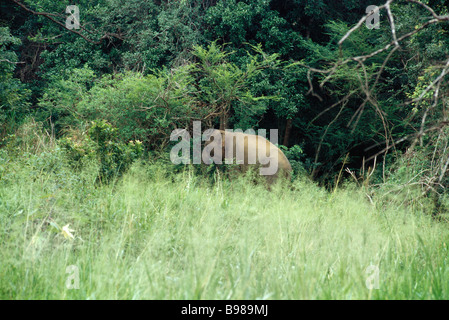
(155, 235)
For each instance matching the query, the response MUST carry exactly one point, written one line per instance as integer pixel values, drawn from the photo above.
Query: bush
(294, 155)
(101, 142)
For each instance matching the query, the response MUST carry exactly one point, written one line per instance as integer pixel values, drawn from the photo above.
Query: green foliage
(13, 94)
(79, 148)
(295, 156)
(141, 107)
(226, 87)
(60, 100)
(101, 142)
(149, 107)
(138, 35)
(159, 41)
(237, 22)
(148, 67)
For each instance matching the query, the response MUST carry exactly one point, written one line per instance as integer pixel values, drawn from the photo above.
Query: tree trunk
(224, 118)
(288, 128)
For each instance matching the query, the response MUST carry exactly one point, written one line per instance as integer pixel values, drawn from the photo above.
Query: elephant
(248, 150)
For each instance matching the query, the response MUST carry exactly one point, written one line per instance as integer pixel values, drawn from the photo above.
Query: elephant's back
(253, 144)
(283, 162)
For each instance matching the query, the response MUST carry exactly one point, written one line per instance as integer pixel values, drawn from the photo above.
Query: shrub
(101, 142)
(294, 155)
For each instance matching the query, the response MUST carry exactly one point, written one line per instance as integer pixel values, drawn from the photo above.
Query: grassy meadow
(157, 235)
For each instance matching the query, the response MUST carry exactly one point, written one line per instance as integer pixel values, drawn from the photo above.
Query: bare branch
(393, 28)
(366, 87)
(11, 62)
(440, 18)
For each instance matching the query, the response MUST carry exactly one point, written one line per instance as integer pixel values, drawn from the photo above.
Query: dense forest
(235, 64)
(89, 95)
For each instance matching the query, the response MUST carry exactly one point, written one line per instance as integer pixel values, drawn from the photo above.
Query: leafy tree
(13, 95)
(101, 142)
(224, 85)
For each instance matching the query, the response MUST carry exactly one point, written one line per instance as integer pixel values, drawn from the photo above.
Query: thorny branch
(367, 90)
